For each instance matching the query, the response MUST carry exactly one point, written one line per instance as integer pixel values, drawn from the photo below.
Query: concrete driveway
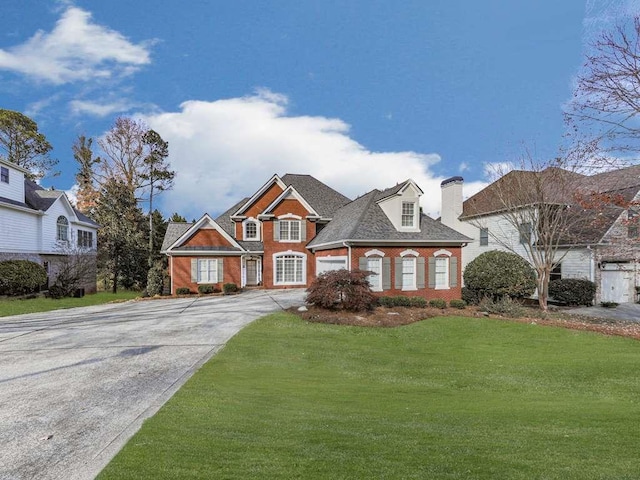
(76, 384)
(628, 312)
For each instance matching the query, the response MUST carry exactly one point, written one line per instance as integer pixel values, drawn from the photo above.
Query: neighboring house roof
(322, 198)
(554, 185)
(39, 198)
(364, 220)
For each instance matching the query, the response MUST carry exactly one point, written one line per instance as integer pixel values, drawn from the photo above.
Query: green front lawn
(446, 398)
(34, 305)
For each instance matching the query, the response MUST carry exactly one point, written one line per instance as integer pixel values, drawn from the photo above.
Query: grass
(34, 305)
(447, 398)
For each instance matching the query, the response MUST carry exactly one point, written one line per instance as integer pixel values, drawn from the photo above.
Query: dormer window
(62, 225)
(251, 230)
(408, 214)
(4, 175)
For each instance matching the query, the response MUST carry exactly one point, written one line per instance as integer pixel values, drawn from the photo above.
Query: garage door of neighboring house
(617, 286)
(326, 264)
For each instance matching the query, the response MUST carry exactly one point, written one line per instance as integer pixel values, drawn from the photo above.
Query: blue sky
(361, 94)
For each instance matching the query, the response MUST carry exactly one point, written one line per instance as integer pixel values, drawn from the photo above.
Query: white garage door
(326, 264)
(617, 286)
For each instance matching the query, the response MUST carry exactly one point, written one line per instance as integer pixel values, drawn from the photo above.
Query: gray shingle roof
(224, 220)
(324, 199)
(174, 231)
(364, 220)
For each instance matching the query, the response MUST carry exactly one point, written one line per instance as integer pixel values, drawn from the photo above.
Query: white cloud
(75, 50)
(495, 170)
(97, 109)
(226, 149)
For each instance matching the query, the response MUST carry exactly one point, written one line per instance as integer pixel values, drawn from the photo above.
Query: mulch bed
(395, 317)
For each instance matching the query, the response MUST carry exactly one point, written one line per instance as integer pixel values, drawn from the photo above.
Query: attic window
(251, 230)
(408, 214)
(4, 175)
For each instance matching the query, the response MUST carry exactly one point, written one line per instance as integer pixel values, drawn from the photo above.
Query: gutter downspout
(346, 244)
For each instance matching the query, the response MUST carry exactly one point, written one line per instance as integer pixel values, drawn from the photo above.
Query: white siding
(392, 207)
(578, 263)
(49, 228)
(19, 231)
(14, 190)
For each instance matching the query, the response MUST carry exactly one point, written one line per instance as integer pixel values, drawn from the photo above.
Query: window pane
(295, 230)
(284, 230)
(408, 272)
(407, 214)
(441, 272)
(373, 265)
(279, 269)
(484, 236)
(251, 230)
(4, 176)
(298, 266)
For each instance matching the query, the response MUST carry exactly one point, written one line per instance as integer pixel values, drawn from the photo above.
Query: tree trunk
(543, 289)
(114, 288)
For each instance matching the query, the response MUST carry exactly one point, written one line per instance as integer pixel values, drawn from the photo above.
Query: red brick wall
(258, 206)
(207, 237)
(270, 246)
(393, 252)
(180, 271)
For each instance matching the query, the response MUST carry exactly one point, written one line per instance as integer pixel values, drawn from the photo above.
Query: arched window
(62, 229)
(251, 230)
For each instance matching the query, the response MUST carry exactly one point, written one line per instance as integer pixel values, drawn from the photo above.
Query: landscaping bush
(155, 279)
(470, 296)
(342, 289)
(609, 304)
(573, 291)
(205, 289)
(457, 303)
(19, 277)
(229, 288)
(497, 274)
(438, 303)
(385, 301)
(503, 306)
(418, 302)
(183, 291)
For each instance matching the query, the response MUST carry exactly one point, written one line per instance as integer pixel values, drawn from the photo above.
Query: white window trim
(207, 282)
(244, 230)
(415, 209)
(414, 285)
(409, 252)
(289, 216)
(67, 234)
(378, 287)
(275, 257)
(446, 286)
(374, 252)
(292, 218)
(441, 252)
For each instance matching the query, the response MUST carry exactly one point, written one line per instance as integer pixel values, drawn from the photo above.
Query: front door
(252, 272)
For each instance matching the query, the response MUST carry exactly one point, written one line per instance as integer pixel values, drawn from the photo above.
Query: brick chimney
(451, 208)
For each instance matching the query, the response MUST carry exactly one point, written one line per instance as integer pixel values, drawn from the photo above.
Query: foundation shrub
(497, 274)
(573, 291)
(438, 303)
(183, 291)
(205, 289)
(457, 303)
(229, 288)
(20, 277)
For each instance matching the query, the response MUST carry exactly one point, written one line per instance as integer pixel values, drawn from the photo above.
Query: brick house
(296, 227)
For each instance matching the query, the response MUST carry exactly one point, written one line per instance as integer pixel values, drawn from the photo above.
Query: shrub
(609, 304)
(470, 296)
(418, 302)
(155, 279)
(229, 288)
(205, 289)
(385, 301)
(19, 277)
(438, 303)
(503, 306)
(183, 291)
(342, 289)
(573, 291)
(457, 303)
(497, 274)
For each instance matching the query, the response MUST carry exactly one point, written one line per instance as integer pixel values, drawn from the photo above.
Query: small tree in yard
(498, 274)
(342, 289)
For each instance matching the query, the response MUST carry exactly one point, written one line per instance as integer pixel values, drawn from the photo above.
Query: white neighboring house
(42, 226)
(606, 252)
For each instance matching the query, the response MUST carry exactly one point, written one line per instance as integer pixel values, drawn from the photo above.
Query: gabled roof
(398, 189)
(364, 220)
(247, 203)
(322, 198)
(290, 192)
(567, 188)
(192, 228)
(39, 199)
